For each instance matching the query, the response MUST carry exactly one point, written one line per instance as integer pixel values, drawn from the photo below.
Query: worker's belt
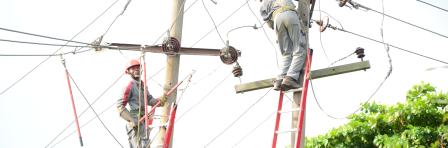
(283, 9)
(136, 111)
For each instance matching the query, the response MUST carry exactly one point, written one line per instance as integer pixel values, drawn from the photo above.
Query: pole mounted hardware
(237, 70)
(229, 55)
(323, 23)
(170, 46)
(360, 52)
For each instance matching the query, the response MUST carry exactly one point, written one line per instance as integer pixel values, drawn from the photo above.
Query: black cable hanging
(402, 49)
(46, 59)
(357, 6)
(96, 114)
(432, 5)
(85, 110)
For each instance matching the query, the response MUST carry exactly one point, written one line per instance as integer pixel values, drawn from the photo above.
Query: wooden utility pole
(172, 70)
(303, 10)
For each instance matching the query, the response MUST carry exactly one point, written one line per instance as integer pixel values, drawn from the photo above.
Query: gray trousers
(292, 43)
(138, 139)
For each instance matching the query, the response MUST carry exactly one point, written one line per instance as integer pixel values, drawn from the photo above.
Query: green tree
(421, 121)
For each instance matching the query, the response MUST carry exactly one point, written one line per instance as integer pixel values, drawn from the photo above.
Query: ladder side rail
(277, 120)
(303, 97)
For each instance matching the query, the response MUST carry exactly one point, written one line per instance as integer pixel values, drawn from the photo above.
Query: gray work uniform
(291, 38)
(130, 97)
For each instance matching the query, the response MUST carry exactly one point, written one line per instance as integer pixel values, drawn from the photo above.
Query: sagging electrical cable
(231, 14)
(238, 118)
(44, 44)
(357, 6)
(396, 47)
(203, 98)
(43, 36)
(44, 55)
(96, 114)
(433, 5)
(85, 110)
(46, 59)
(99, 40)
(213, 21)
(83, 125)
(261, 123)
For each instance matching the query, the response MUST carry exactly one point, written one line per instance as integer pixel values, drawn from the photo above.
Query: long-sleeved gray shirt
(130, 96)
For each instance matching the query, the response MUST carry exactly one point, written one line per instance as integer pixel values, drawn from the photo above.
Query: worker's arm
(121, 105)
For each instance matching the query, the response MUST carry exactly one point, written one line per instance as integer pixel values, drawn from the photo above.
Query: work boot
(289, 83)
(277, 84)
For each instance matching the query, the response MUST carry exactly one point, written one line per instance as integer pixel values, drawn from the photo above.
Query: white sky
(37, 108)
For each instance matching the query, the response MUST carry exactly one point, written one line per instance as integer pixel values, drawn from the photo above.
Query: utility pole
(303, 10)
(172, 70)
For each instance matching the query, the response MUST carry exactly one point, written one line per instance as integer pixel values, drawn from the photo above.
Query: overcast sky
(37, 108)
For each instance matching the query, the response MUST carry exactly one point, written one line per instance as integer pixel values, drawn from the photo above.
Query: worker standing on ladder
(133, 96)
(281, 16)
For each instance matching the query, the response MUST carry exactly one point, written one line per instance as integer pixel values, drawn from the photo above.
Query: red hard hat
(131, 64)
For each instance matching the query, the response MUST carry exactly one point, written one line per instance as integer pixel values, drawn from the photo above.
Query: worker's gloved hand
(132, 124)
(270, 24)
(163, 100)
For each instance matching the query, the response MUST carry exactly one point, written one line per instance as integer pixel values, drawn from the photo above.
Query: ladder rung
(294, 90)
(287, 131)
(291, 110)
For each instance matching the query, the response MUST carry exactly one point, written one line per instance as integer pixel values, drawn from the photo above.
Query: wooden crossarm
(315, 74)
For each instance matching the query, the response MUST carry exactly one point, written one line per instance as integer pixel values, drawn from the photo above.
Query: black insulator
(237, 70)
(170, 46)
(229, 55)
(360, 52)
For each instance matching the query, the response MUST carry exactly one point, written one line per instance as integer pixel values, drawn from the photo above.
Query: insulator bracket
(170, 46)
(237, 70)
(360, 52)
(229, 55)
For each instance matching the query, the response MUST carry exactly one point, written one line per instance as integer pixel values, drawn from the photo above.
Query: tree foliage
(421, 121)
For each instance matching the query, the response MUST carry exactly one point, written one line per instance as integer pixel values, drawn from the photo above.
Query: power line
(320, 34)
(356, 5)
(255, 128)
(122, 12)
(320, 107)
(262, 122)
(203, 98)
(433, 5)
(370, 98)
(101, 95)
(37, 55)
(343, 30)
(175, 20)
(264, 32)
(213, 21)
(239, 117)
(343, 58)
(46, 59)
(218, 25)
(43, 36)
(90, 106)
(45, 44)
(83, 125)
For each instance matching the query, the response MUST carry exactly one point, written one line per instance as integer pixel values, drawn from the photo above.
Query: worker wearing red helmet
(133, 97)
